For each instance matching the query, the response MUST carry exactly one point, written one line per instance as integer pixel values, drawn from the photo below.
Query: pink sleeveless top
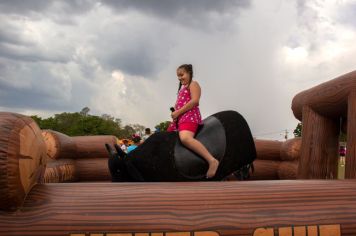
(191, 116)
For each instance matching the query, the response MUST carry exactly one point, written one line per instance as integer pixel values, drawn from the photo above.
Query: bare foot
(213, 166)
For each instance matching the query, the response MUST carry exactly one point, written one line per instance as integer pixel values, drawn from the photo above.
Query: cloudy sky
(119, 57)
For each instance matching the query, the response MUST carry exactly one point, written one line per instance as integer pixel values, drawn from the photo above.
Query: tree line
(82, 123)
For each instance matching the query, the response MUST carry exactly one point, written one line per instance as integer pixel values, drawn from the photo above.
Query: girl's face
(183, 76)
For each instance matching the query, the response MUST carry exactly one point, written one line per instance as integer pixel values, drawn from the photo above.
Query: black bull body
(162, 157)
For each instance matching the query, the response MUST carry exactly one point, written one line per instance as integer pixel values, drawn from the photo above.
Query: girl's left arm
(195, 93)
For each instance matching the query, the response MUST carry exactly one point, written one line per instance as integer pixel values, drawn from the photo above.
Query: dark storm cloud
(147, 42)
(37, 35)
(164, 8)
(10, 35)
(16, 45)
(33, 6)
(197, 13)
(169, 8)
(20, 6)
(36, 98)
(138, 57)
(191, 13)
(13, 97)
(138, 62)
(139, 54)
(28, 54)
(33, 85)
(24, 84)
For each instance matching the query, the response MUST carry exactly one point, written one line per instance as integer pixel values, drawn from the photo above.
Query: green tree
(81, 123)
(37, 119)
(128, 131)
(163, 125)
(107, 117)
(139, 129)
(85, 111)
(298, 130)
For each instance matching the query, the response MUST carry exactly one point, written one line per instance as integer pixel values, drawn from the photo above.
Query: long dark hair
(188, 68)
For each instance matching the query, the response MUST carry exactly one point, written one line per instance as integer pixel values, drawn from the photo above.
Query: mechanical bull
(162, 157)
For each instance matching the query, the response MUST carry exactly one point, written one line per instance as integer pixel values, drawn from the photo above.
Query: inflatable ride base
(249, 208)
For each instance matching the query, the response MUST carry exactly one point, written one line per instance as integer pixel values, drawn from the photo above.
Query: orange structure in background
(121, 141)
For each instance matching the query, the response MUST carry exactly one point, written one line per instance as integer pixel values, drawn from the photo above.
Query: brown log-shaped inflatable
(268, 166)
(276, 159)
(288, 170)
(290, 149)
(274, 170)
(60, 171)
(22, 158)
(319, 155)
(93, 146)
(77, 170)
(268, 149)
(350, 171)
(328, 99)
(79, 158)
(62, 146)
(265, 170)
(320, 109)
(92, 169)
(277, 150)
(59, 145)
(250, 208)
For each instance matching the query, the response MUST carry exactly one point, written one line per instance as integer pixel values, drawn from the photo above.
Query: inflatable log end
(22, 158)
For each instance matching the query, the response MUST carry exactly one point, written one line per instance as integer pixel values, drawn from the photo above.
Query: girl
(187, 117)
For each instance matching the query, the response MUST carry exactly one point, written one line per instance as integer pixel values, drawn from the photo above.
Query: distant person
(124, 145)
(186, 116)
(136, 139)
(147, 134)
